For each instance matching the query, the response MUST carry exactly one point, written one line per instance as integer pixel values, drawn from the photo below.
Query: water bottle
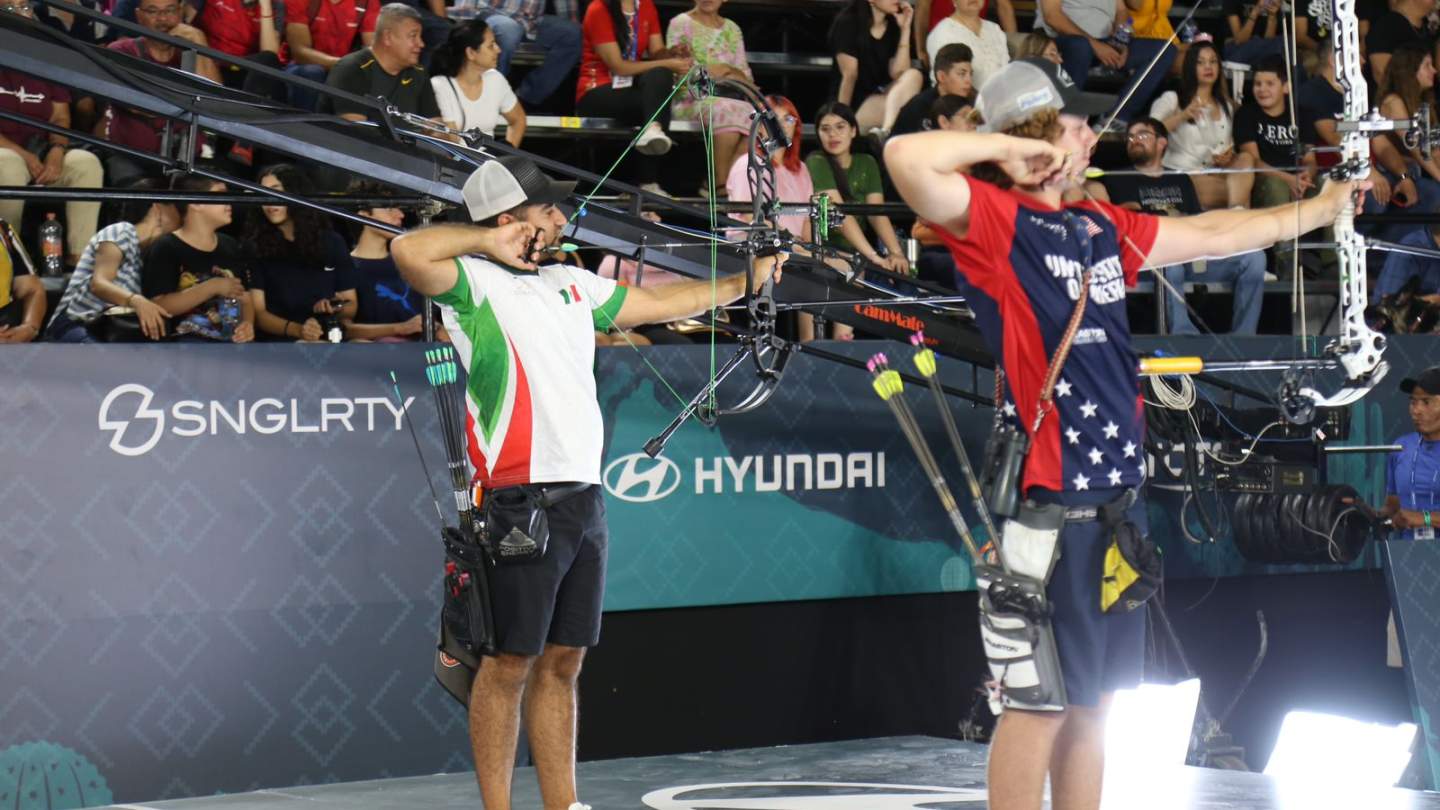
(52, 245)
(229, 310)
(1120, 37)
(1188, 31)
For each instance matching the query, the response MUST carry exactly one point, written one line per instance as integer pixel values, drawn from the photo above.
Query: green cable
(606, 177)
(709, 132)
(710, 157)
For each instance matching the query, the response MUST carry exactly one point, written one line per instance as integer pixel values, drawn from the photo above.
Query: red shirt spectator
(30, 97)
(335, 25)
(233, 27)
(597, 29)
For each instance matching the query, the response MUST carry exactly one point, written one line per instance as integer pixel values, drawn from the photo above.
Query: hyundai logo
(640, 479)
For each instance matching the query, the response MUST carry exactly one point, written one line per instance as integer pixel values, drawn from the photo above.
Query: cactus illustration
(46, 776)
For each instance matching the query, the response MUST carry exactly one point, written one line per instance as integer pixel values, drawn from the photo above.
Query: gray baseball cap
(1027, 86)
(507, 183)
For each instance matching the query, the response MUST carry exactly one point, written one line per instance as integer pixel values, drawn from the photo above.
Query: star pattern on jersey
(1114, 477)
(1129, 449)
(1112, 430)
(1096, 455)
(1072, 435)
(1062, 389)
(1081, 482)
(1009, 409)
(1088, 409)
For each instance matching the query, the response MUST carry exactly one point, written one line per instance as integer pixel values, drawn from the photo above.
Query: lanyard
(1434, 479)
(632, 21)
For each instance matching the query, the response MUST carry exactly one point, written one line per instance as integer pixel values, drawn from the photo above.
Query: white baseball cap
(509, 182)
(1027, 86)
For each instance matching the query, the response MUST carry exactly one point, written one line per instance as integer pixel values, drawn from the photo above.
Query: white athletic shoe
(654, 188)
(653, 141)
(579, 806)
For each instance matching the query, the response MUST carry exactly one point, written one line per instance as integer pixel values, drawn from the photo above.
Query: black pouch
(516, 527)
(1000, 471)
(1133, 569)
(466, 611)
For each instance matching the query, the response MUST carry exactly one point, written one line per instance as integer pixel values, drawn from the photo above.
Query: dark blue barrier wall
(218, 572)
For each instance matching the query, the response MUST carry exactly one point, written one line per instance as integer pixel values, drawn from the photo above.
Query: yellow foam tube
(1171, 365)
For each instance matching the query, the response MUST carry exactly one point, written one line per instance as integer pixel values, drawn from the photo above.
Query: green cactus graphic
(46, 776)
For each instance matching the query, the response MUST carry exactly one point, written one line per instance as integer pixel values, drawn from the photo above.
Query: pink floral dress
(724, 45)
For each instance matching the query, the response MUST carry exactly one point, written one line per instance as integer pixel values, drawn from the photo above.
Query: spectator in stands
(1040, 45)
(389, 68)
(1201, 130)
(1150, 20)
(22, 295)
(1401, 268)
(247, 30)
(792, 179)
(717, 45)
(319, 33)
(198, 275)
(847, 177)
(77, 27)
(1254, 30)
(388, 311)
(1263, 130)
(1082, 30)
(1406, 23)
(955, 113)
(929, 13)
(108, 274)
(953, 77)
(126, 9)
(1408, 85)
(870, 40)
(126, 127)
(1155, 191)
(470, 92)
(558, 35)
(1322, 103)
(989, 48)
(626, 72)
(302, 277)
(82, 107)
(29, 156)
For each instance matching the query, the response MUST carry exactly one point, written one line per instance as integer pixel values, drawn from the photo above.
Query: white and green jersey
(528, 342)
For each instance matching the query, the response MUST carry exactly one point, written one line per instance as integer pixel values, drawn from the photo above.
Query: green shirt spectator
(864, 180)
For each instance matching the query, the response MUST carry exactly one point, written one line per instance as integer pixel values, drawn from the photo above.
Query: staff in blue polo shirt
(1412, 475)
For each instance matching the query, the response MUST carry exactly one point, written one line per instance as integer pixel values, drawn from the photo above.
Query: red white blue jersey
(1020, 263)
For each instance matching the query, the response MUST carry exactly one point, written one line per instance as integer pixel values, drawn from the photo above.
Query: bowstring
(1290, 40)
(709, 145)
(708, 129)
(604, 178)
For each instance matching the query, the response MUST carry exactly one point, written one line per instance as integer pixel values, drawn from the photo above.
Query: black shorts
(556, 598)
(1099, 652)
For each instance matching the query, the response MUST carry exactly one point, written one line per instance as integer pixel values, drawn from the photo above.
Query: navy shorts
(557, 597)
(1099, 652)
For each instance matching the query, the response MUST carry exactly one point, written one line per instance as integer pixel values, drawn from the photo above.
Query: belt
(1085, 514)
(551, 494)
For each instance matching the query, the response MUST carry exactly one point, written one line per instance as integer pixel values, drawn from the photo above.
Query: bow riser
(1359, 348)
